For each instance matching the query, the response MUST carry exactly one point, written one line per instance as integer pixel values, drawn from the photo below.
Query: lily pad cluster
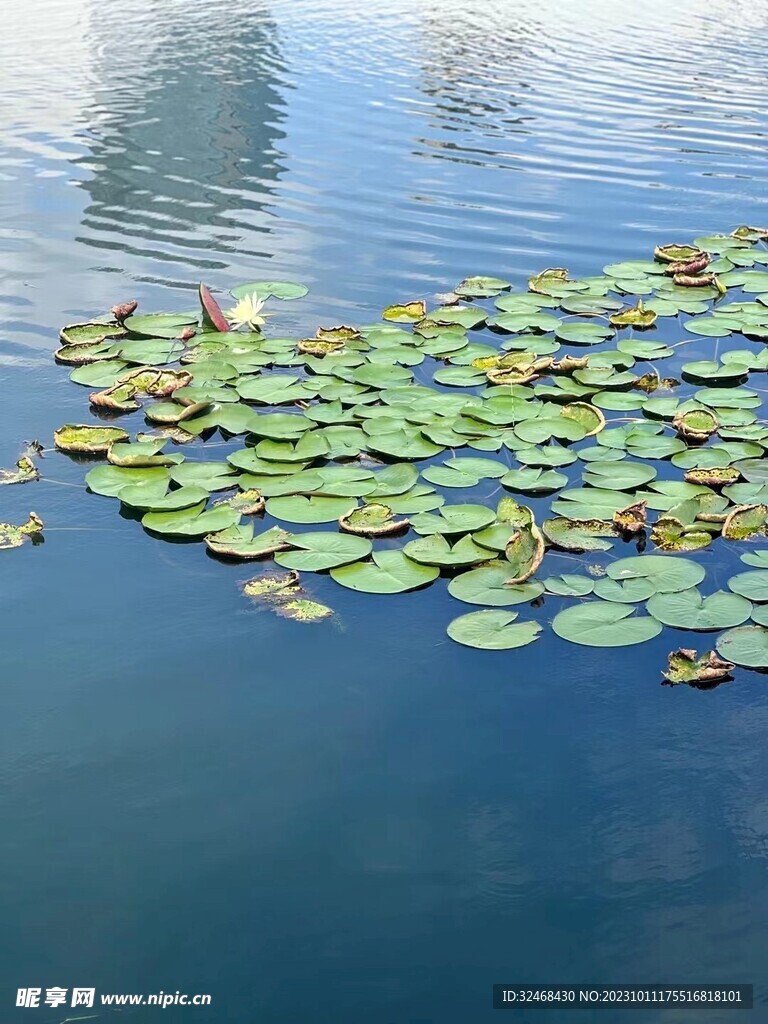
(477, 439)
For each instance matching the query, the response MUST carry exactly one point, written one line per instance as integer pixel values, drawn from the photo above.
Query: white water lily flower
(247, 313)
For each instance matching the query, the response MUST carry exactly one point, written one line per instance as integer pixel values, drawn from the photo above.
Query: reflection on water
(207, 799)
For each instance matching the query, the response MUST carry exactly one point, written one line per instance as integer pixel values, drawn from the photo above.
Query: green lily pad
(569, 585)
(193, 521)
(492, 631)
(453, 519)
(690, 610)
(752, 585)
(298, 508)
(389, 572)
(488, 585)
(668, 574)
(579, 534)
(314, 552)
(436, 550)
(745, 645)
(242, 542)
(604, 624)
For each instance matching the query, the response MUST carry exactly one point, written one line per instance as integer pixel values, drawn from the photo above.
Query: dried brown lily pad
(82, 353)
(695, 281)
(551, 276)
(318, 347)
(675, 253)
(405, 312)
(714, 476)
(632, 518)
(745, 521)
(250, 502)
(91, 332)
(156, 382)
(118, 398)
(124, 309)
(340, 333)
(87, 438)
(684, 666)
(14, 536)
(670, 534)
(689, 267)
(579, 534)
(696, 425)
(569, 363)
(372, 520)
(634, 316)
(525, 550)
(270, 583)
(589, 416)
(25, 471)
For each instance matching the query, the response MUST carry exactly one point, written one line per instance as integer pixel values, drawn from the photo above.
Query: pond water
(359, 820)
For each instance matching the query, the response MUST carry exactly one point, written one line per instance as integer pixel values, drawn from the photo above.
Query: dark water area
(358, 820)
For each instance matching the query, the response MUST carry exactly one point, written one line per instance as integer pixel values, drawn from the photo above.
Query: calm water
(362, 823)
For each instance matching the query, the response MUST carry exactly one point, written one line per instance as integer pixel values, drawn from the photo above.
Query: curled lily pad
(670, 534)
(632, 518)
(389, 572)
(745, 521)
(405, 312)
(492, 631)
(676, 253)
(579, 534)
(92, 332)
(118, 398)
(634, 316)
(714, 476)
(87, 438)
(24, 472)
(314, 552)
(14, 536)
(524, 552)
(242, 542)
(552, 281)
(249, 502)
(745, 645)
(684, 666)
(372, 520)
(319, 346)
(141, 454)
(590, 417)
(695, 425)
(269, 585)
(604, 624)
(301, 609)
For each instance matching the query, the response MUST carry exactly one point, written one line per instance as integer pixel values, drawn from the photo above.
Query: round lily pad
(492, 631)
(389, 572)
(604, 624)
